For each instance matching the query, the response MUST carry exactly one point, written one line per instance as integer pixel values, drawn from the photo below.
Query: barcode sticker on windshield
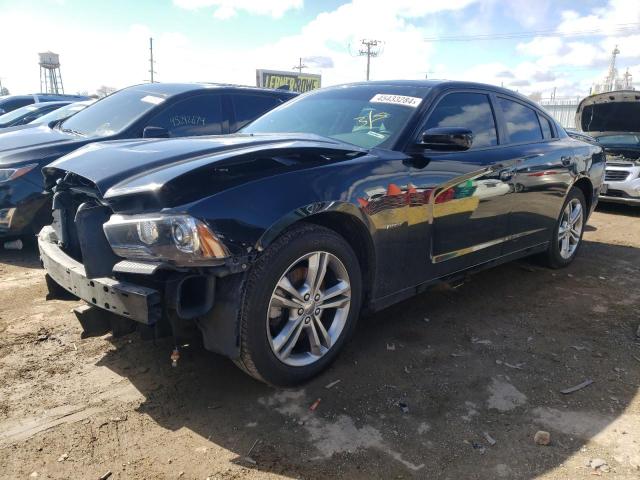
(152, 99)
(396, 100)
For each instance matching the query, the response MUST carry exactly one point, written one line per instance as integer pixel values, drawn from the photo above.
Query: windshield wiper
(75, 132)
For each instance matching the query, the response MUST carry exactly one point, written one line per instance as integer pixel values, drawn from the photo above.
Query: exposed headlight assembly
(177, 239)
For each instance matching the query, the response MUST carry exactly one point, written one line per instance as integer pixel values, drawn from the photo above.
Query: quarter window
(466, 110)
(521, 122)
(546, 127)
(249, 107)
(198, 115)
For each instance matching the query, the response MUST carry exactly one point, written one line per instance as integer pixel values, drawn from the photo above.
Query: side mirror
(447, 139)
(155, 132)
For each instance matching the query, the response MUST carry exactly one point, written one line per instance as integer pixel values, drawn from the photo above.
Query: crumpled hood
(610, 112)
(202, 164)
(35, 143)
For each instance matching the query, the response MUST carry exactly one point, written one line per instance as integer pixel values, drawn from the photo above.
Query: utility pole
(370, 49)
(300, 66)
(151, 62)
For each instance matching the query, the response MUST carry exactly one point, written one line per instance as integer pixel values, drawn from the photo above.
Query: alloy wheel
(570, 230)
(308, 309)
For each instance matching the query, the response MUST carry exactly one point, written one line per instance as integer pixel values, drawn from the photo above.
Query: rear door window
(467, 110)
(521, 122)
(198, 115)
(249, 107)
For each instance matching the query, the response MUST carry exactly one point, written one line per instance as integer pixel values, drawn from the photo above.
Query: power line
(370, 50)
(621, 28)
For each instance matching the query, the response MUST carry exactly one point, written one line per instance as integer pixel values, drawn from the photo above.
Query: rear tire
(290, 334)
(567, 234)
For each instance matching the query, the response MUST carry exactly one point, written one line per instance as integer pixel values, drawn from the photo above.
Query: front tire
(300, 304)
(567, 234)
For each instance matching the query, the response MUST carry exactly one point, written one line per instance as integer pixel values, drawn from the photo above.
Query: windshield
(367, 115)
(112, 114)
(62, 112)
(16, 114)
(623, 139)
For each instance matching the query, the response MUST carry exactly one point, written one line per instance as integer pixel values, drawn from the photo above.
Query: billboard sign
(297, 82)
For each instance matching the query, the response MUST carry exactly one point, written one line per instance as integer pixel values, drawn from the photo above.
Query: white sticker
(152, 99)
(396, 100)
(376, 134)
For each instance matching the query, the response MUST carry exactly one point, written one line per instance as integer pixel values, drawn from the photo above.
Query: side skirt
(388, 300)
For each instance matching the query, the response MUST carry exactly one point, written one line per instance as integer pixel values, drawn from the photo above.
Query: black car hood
(609, 112)
(35, 143)
(168, 169)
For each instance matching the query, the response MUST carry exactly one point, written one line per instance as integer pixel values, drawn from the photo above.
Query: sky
(560, 45)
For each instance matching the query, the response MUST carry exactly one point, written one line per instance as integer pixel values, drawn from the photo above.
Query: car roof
(442, 84)
(170, 89)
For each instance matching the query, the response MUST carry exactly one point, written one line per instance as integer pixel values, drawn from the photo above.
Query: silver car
(613, 119)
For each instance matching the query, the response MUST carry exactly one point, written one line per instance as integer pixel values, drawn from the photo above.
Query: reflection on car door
(542, 177)
(465, 197)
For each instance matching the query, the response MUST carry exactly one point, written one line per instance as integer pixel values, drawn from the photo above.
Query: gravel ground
(452, 384)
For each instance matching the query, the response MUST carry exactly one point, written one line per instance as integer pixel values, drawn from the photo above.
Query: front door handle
(417, 161)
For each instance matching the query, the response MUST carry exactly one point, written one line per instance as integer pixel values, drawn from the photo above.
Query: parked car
(28, 114)
(149, 110)
(62, 113)
(613, 119)
(9, 103)
(273, 240)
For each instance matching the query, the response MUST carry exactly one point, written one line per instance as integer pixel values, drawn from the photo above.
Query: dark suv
(149, 110)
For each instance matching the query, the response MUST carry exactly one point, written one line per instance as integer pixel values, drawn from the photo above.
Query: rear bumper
(135, 302)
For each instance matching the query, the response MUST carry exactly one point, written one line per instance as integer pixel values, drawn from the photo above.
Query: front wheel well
(357, 236)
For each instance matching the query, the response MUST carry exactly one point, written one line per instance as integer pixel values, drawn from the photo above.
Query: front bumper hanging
(138, 303)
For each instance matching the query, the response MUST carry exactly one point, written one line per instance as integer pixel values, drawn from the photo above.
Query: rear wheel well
(585, 185)
(356, 234)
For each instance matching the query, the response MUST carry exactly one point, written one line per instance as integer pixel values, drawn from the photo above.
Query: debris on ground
(517, 366)
(105, 476)
(599, 465)
(575, 388)
(332, 384)
(315, 404)
(427, 320)
(479, 447)
(247, 457)
(477, 341)
(391, 346)
(578, 347)
(404, 407)
(542, 438)
(63, 457)
(490, 440)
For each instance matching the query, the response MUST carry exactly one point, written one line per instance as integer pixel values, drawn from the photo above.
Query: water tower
(50, 76)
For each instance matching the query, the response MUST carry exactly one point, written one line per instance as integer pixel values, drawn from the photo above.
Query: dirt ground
(424, 388)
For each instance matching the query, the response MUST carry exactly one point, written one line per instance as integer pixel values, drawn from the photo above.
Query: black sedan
(28, 114)
(150, 110)
(273, 241)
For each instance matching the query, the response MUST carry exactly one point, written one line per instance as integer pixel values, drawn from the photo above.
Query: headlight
(7, 174)
(178, 239)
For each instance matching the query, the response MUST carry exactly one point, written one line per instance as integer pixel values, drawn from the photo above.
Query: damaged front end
(159, 273)
(613, 119)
